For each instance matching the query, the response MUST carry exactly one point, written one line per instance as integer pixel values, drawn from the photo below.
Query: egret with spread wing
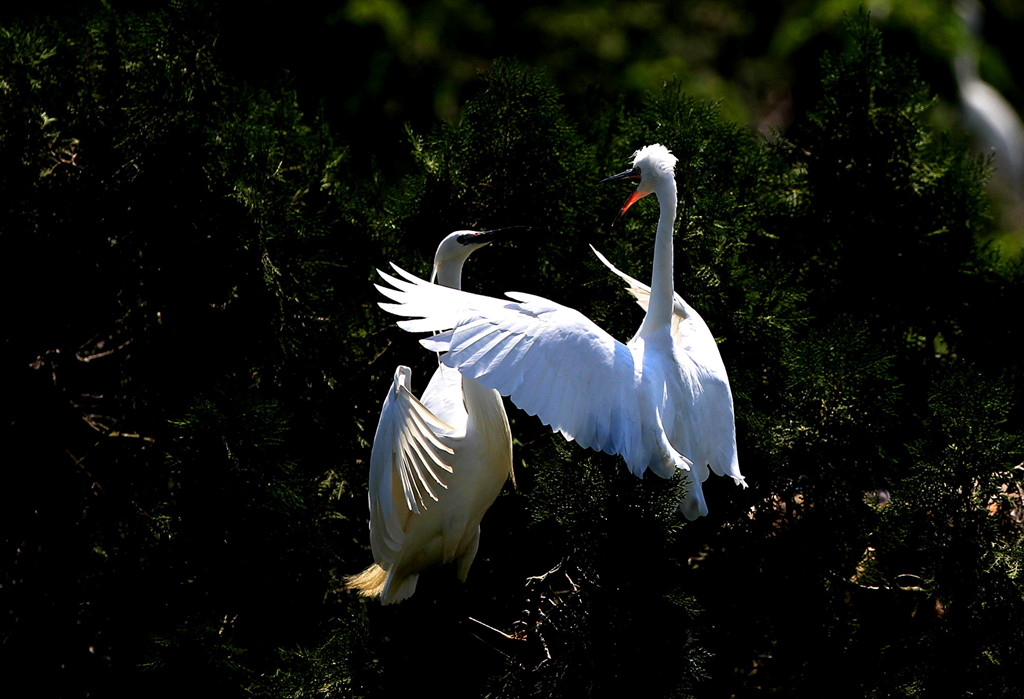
(661, 400)
(437, 463)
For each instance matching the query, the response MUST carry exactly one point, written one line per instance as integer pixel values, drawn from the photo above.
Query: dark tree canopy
(194, 362)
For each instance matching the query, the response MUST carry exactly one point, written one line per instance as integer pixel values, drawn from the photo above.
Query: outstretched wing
(405, 464)
(550, 360)
(709, 426)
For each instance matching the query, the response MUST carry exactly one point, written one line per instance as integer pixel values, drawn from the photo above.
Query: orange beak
(633, 198)
(631, 174)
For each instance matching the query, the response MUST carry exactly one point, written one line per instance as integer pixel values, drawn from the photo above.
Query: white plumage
(996, 127)
(662, 400)
(437, 463)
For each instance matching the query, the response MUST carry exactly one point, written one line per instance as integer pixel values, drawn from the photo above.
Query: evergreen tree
(194, 364)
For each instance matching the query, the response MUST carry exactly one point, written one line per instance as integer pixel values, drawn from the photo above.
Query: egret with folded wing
(437, 463)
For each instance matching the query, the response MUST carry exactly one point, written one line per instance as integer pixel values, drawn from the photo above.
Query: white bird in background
(662, 400)
(437, 463)
(995, 125)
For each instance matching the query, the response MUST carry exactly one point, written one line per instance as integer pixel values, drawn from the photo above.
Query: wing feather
(513, 380)
(405, 460)
(552, 361)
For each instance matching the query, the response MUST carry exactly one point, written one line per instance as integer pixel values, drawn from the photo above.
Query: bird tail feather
(369, 583)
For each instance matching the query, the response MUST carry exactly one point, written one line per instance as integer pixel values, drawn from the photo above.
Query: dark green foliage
(889, 214)
(881, 234)
(194, 363)
(953, 530)
(169, 434)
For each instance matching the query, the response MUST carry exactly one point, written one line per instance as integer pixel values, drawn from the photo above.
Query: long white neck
(473, 406)
(659, 312)
(449, 272)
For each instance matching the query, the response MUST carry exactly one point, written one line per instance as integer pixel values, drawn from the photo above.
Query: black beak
(631, 174)
(492, 235)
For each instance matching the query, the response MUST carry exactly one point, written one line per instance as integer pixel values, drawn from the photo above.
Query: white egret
(437, 463)
(662, 400)
(996, 127)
